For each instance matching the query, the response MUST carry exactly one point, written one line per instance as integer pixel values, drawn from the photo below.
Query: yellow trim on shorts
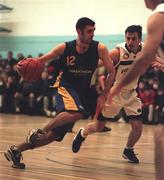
(56, 84)
(69, 102)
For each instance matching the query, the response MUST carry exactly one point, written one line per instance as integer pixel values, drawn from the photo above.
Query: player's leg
(133, 137)
(69, 109)
(14, 153)
(96, 126)
(93, 127)
(159, 148)
(61, 119)
(134, 115)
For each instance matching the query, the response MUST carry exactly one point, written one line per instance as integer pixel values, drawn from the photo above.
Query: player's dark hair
(134, 28)
(84, 21)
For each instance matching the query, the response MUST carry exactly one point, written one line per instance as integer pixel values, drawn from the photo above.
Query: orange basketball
(30, 69)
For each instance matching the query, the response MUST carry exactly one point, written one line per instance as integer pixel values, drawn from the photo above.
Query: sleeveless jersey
(77, 69)
(160, 52)
(124, 64)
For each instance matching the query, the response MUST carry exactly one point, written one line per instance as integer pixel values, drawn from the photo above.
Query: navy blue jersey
(78, 68)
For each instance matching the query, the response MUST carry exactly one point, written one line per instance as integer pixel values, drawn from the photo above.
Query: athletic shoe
(14, 155)
(77, 141)
(130, 155)
(106, 129)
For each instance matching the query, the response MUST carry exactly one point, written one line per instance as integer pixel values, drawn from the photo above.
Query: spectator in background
(2, 92)
(159, 104)
(10, 59)
(9, 95)
(20, 56)
(147, 96)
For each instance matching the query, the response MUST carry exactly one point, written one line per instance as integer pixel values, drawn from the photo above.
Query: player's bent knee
(34, 136)
(59, 136)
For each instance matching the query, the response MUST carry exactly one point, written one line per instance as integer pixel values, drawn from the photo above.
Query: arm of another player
(104, 56)
(115, 56)
(108, 63)
(54, 53)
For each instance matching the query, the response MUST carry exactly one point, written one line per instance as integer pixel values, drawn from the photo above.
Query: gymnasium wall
(38, 25)
(36, 44)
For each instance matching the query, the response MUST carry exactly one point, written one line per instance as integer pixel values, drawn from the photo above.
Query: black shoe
(33, 136)
(106, 129)
(14, 156)
(77, 141)
(129, 154)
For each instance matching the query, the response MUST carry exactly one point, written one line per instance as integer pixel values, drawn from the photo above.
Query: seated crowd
(37, 98)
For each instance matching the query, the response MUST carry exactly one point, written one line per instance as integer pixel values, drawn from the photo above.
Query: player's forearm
(54, 53)
(101, 81)
(108, 83)
(47, 57)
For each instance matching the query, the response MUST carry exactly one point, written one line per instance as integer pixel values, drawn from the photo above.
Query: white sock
(128, 147)
(82, 133)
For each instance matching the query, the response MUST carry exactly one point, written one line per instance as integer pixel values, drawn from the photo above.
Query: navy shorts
(67, 100)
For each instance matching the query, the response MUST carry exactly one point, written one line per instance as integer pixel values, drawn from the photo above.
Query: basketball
(30, 69)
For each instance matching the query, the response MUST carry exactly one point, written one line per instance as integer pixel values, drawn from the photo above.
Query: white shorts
(126, 99)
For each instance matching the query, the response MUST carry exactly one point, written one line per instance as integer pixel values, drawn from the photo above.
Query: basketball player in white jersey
(153, 45)
(123, 56)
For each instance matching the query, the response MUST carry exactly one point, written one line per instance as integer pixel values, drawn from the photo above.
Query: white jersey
(124, 64)
(160, 8)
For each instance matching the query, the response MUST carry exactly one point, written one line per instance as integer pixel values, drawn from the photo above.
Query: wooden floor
(99, 158)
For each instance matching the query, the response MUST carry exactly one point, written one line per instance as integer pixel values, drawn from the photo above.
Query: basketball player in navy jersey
(123, 56)
(78, 61)
(153, 46)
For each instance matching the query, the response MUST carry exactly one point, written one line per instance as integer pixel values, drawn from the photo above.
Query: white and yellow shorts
(127, 99)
